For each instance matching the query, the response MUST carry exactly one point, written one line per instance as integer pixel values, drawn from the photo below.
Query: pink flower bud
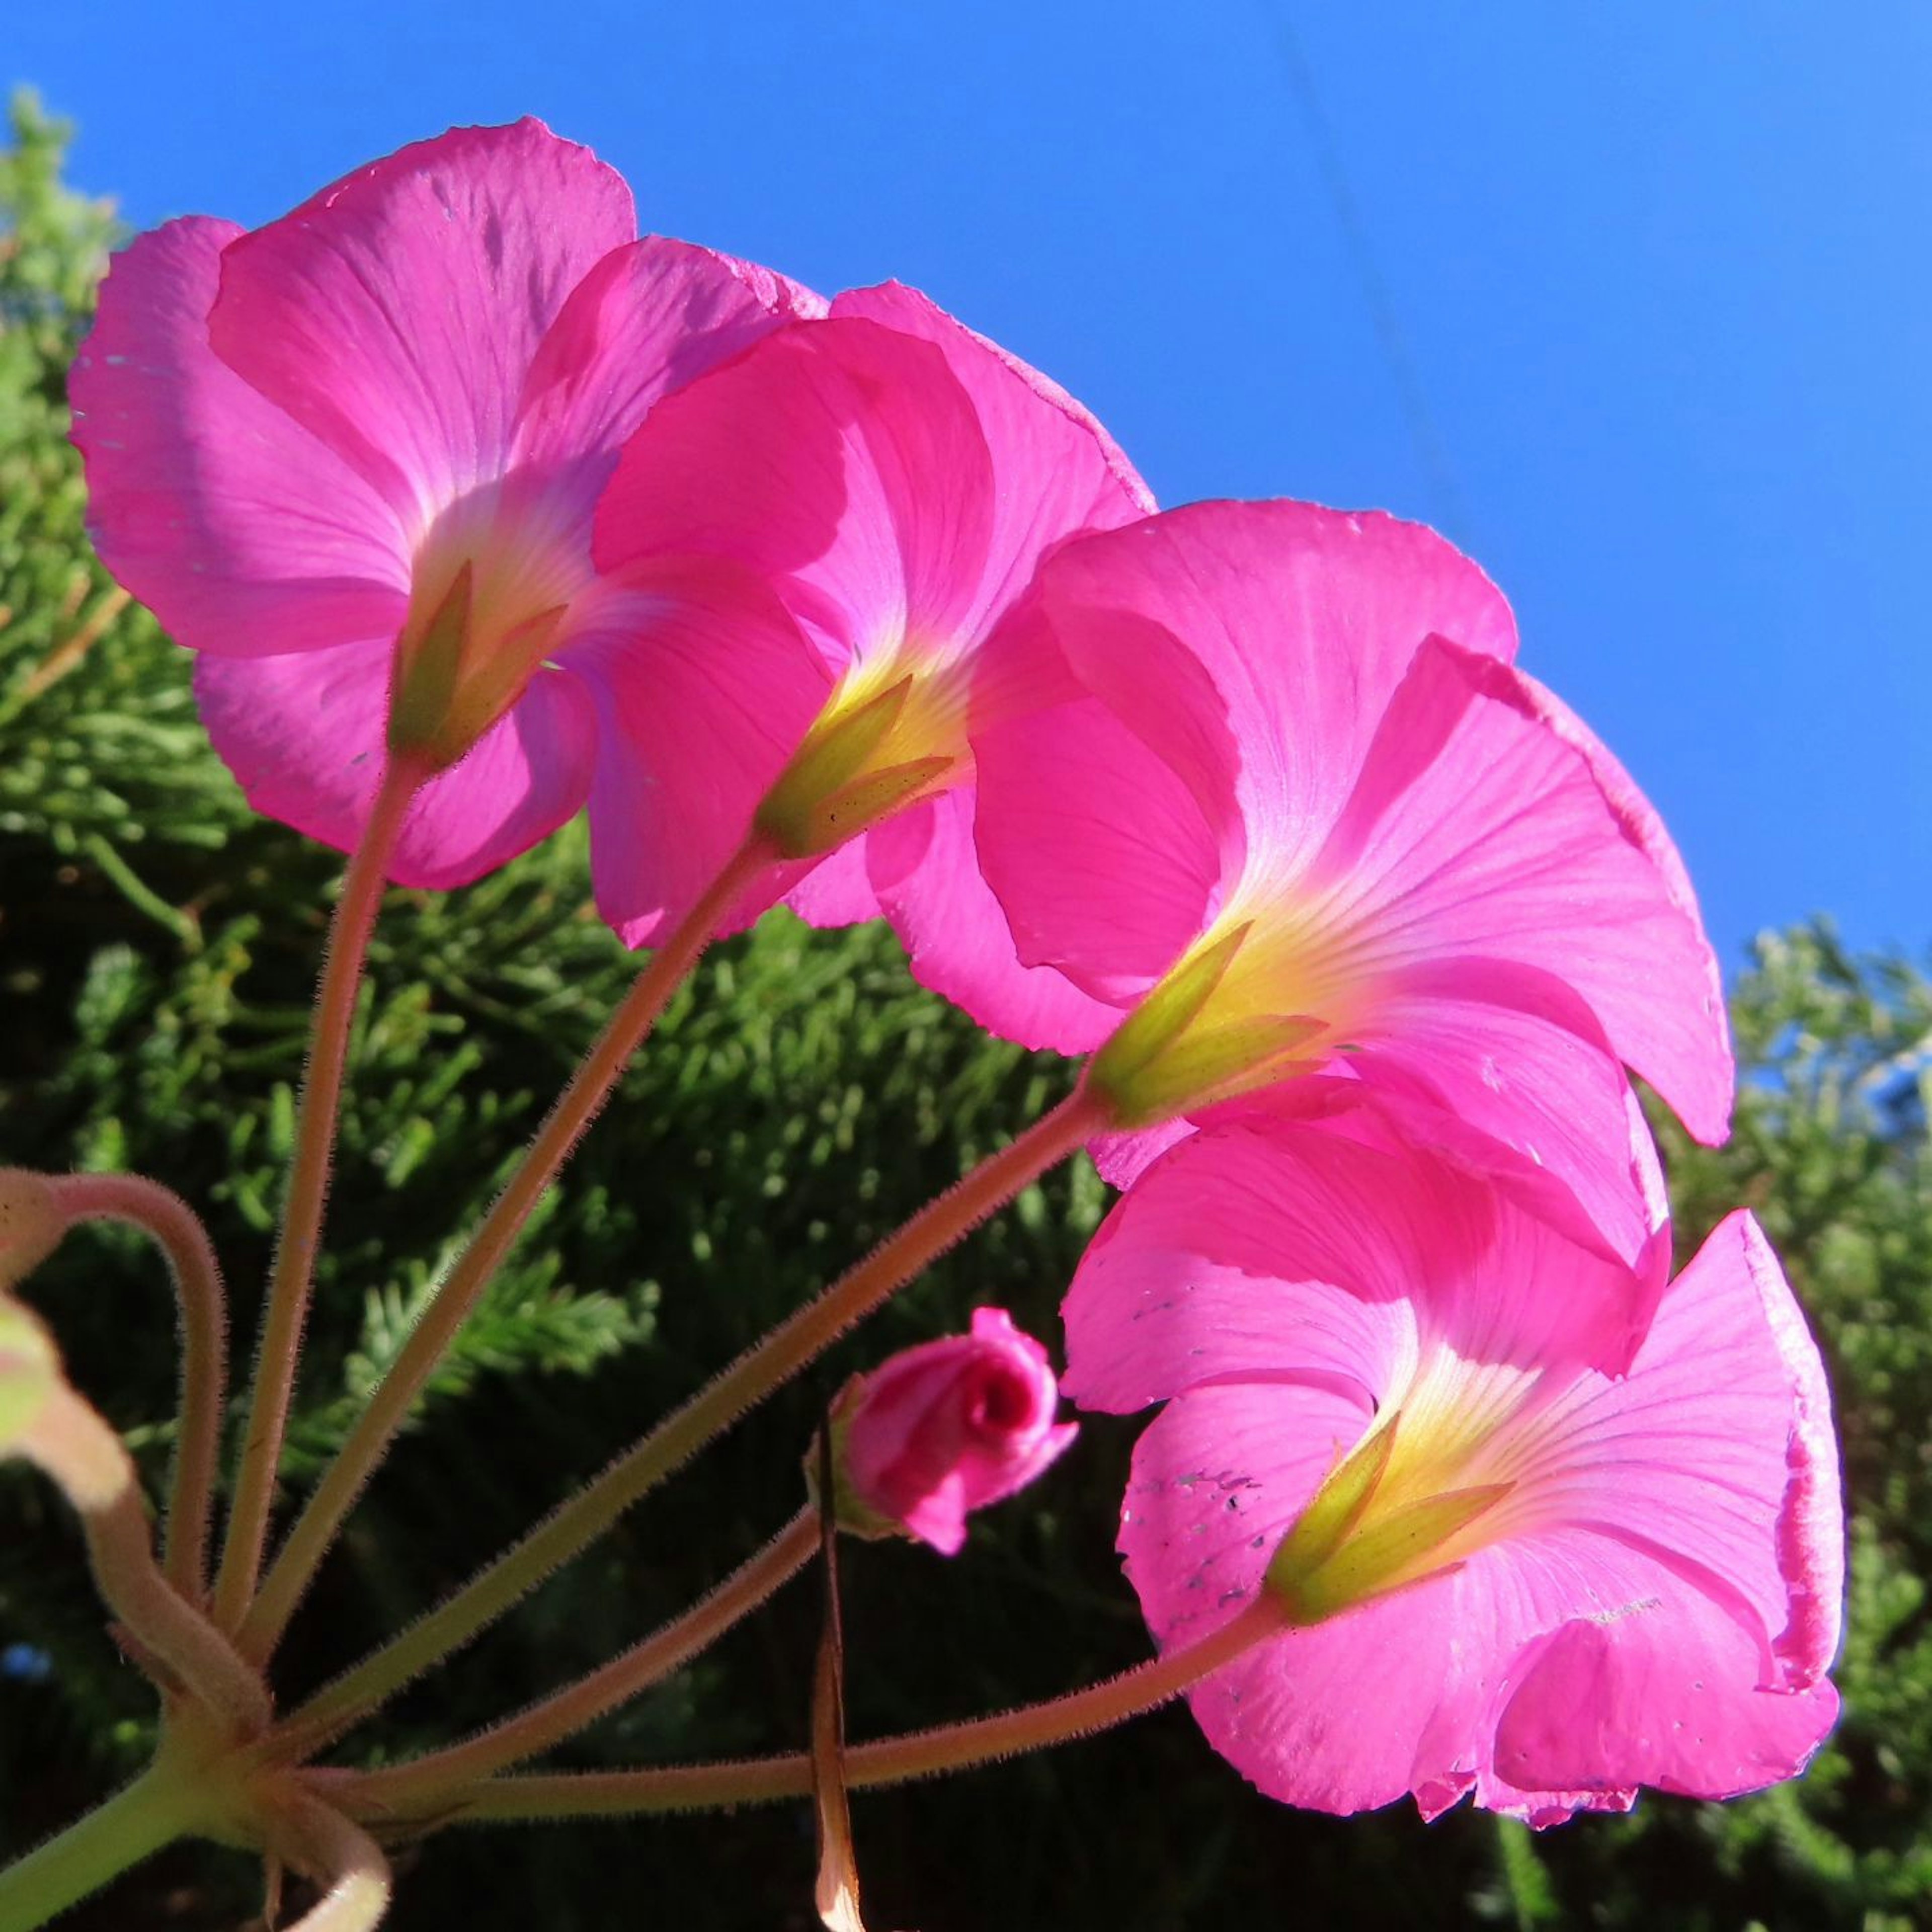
(944, 1428)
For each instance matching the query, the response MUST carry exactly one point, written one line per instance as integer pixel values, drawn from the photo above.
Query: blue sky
(1631, 300)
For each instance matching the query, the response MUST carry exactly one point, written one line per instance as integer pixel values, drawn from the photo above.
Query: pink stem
(702, 1787)
(294, 1272)
(176, 1228)
(536, 1728)
(326, 1510)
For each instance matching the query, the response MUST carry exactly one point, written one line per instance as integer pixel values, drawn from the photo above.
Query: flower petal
(1325, 1249)
(925, 870)
(1267, 1251)
(647, 319)
(1479, 1676)
(838, 889)
(1096, 848)
(812, 458)
(1056, 471)
(1699, 1453)
(240, 531)
(1329, 1717)
(702, 687)
(397, 314)
(1473, 1048)
(1488, 824)
(305, 735)
(1664, 1696)
(1302, 622)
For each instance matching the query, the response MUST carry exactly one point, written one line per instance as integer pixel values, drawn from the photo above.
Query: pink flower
(352, 458)
(1497, 1569)
(1276, 792)
(896, 477)
(944, 1428)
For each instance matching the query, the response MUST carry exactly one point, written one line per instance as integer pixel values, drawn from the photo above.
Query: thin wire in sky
(1447, 508)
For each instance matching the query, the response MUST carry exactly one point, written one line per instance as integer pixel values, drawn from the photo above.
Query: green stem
(423, 1782)
(153, 1811)
(294, 1271)
(782, 1353)
(176, 1228)
(579, 1104)
(885, 1761)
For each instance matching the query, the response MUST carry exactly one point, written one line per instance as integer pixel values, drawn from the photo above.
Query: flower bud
(944, 1428)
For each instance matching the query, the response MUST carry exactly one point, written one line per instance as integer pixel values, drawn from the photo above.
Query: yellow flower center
(493, 582)
(891, 733)
(1428, 1486)
(1267, 993)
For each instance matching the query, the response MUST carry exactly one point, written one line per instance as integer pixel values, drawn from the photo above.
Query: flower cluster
(473, 503)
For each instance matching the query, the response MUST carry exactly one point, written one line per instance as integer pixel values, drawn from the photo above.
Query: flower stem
(783, 1352)
(171, 1637)
(176, 1229)
(425, 1782)
(321, 1842)
(579, 1104)
(698, 1787)
(153, 1811)
(294, 1270)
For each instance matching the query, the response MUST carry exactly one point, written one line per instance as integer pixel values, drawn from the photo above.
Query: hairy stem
(409, 1786)
(294, 1272)
(1032, 1727)
(153, 1811)
(325, 1846)
(327, 1509)
(77, 1449)
(176, 1229)
(788, 1349)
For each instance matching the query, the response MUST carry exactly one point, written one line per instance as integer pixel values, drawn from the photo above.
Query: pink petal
(1719, 1431)
(396, 314)
(1470, 1048)
(1249, 648)
(1096, 848)
(838, 890)
(647, 319)
(1303, 621)
(1057, 471)
(243, 533)
(1123, 1159)
(1329, 1717)
(1406, 1692)
(1265, 1251)
(1488, 824)
(830, 438)
(812, 458)
(1564, 1139)
(1811, 1529)
(702, 687)
(1664, 1695)
(926, 872)
(305, 735)
(1263, 1247)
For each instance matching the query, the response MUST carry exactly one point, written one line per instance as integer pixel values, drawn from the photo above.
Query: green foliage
(157, 954)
